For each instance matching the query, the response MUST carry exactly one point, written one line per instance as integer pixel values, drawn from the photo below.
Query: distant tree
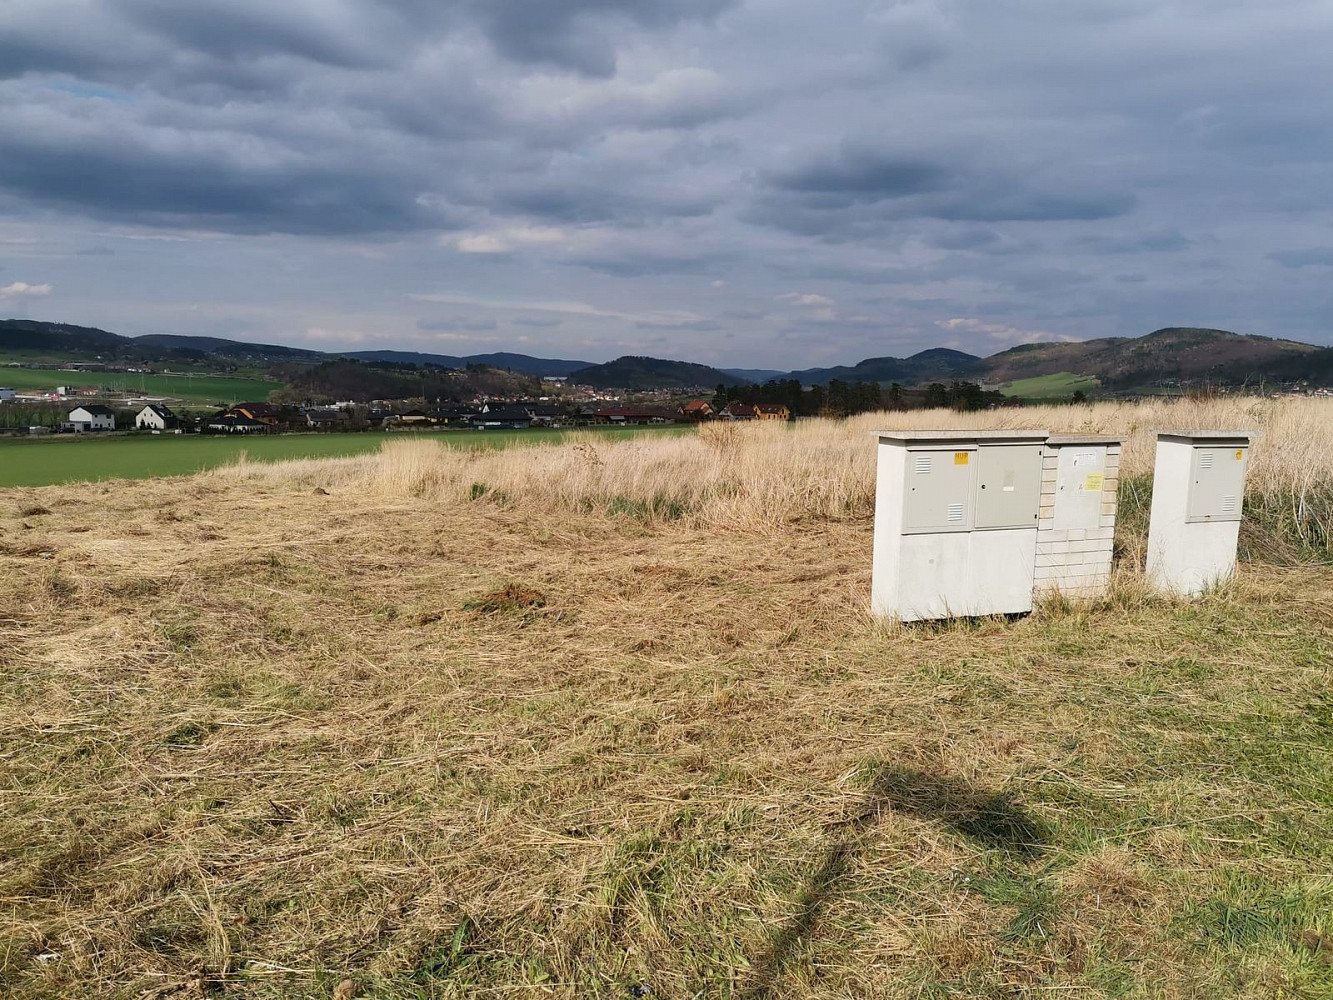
(937, 395)
(966, 396)
(1079, 397)
(813, 401)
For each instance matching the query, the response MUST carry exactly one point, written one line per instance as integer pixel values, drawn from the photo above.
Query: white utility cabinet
(955, 523)
(1197, 495)
(1076, 530)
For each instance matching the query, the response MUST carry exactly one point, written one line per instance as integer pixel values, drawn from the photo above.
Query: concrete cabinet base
(954, 575)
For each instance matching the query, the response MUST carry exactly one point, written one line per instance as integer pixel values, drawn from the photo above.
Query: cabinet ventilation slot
(955, 513)
(1229, 505)
(1206, 460)
(922, 464)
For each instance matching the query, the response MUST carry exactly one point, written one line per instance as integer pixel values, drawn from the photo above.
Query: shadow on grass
(990, 819)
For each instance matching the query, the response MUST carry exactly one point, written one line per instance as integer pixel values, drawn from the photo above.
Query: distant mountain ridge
(1182, 354)
(502, 359)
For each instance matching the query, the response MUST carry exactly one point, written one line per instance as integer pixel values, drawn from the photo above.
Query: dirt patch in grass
(511, 597)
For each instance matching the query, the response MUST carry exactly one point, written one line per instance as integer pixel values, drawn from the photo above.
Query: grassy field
(1057, 386)
(611, 717)
(62, 459)
(198, 389)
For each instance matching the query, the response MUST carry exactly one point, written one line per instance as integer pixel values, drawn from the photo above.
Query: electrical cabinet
(938, 489)
(956, 523)
(1197, 496)
(1217, 483)
(1079, 478)
(1008, 486)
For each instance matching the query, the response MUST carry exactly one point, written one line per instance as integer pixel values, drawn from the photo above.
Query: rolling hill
(1172, 353)
(56, 342)
(634, 372)
(935, 364)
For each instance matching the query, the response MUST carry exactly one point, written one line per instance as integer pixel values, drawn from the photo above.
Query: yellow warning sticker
(960, 458)
(1092, 482)
(1240, 453)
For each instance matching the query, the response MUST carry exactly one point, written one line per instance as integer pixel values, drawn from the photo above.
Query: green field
(70, 458)
(1051, 386)
(202, 389)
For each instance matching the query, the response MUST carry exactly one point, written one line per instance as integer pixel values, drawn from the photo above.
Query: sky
(747, 183)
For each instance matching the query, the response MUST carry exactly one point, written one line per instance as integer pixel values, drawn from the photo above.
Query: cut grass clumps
(511, 597)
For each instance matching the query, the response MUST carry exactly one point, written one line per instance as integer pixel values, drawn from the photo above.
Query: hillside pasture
(43, 461)
(201, 389)
(610, 719)
(1060, 385)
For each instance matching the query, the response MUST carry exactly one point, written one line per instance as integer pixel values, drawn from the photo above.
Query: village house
(156, 417)
(697, 409)
(622, 415)
(228, 422)
(325, 419)
(501, 418)
(264, 413)
(91, 417)
(412, 418)
(772, 411)
(738, 411)
(452, 416)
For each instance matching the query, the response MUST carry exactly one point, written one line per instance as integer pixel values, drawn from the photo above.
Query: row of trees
(844, 399)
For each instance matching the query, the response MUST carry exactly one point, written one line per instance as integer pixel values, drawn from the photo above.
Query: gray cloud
(1165, 240)
(567, 33)
(1312, 257)
(457, 323)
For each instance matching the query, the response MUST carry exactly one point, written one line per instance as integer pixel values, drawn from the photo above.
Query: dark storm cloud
(844, 193)
(1313, 257)
(125, 176)
(863, 175)
(571, 33)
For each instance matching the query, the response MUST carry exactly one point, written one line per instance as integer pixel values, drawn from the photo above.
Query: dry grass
(765, 476)
(263, 741)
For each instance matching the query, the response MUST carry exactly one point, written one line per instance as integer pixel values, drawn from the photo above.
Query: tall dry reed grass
(756, 476)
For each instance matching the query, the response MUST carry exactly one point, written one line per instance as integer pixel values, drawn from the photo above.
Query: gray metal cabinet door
(1008, 485)
(937, 491)
(1217, 483)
